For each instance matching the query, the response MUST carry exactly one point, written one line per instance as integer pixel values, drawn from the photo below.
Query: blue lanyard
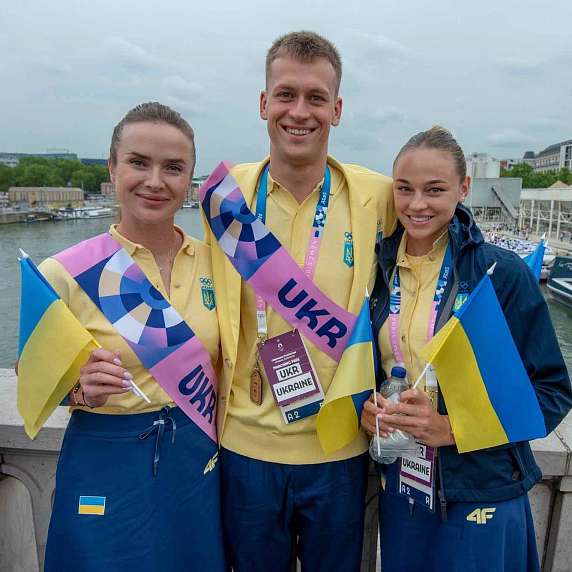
(444, 273)
(321, 208)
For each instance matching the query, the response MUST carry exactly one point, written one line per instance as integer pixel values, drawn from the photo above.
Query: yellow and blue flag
(490, 399)
(53, 347)
(534, 259)
(339, 417)
(91, 505)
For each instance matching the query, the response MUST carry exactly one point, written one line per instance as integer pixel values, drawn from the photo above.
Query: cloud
(180, 87)
(510, 138)
(544, 122)
(185, 105)
(383, 44)
(53, 65)
(385, 117)
(360, 141)
(520, 66)
(129, 55)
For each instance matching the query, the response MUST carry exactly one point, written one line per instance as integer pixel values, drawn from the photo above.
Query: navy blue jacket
(507, 471)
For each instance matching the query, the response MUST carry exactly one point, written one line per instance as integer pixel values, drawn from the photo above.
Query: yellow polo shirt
(259, 431)
(418, 278)
(191, 272)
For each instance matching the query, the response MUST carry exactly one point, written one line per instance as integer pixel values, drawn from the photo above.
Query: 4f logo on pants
(481, 515)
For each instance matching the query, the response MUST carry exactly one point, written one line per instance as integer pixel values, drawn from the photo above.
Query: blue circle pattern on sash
(244, 239)
(137, 309)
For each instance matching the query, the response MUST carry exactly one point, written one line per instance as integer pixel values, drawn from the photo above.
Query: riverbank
(44, 239)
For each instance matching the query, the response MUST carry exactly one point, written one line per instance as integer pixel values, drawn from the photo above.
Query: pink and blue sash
(265, 264)
(161, 339)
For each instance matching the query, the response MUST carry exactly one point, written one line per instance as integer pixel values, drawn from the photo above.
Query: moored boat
(560, 280)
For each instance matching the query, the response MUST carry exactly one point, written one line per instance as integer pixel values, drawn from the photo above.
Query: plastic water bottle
(386, 450)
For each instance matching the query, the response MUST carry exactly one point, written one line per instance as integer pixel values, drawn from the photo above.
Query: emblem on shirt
(211, 464)
(91, 505)
(207, 291)
(460, 299)
(348, 249)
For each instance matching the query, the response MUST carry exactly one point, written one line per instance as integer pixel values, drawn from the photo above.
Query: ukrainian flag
(339, 418)
(534, 259)
(53, 347)
(91, 505)
(490, 399)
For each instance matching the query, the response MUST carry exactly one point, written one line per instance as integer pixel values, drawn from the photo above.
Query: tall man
(277, 482)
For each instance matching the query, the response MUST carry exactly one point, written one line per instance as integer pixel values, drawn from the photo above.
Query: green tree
(55, 179)
(7, 178)
(85, 180)
(536, 180)
(34, 175)
(66, 168)
(564, 175)
(27, 161)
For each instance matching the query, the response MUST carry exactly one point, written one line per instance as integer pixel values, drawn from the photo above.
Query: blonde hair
(305, 47)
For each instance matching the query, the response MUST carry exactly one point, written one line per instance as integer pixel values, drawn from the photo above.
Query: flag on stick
(534, 259)
(490, 399)
(53, 347)
(339, 418)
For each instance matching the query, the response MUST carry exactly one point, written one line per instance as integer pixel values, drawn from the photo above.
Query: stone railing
(27, 470)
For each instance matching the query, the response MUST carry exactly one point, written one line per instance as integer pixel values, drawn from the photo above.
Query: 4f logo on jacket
(481, 515)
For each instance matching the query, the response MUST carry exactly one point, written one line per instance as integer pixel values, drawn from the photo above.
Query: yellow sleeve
(58, 277)
(387, 217)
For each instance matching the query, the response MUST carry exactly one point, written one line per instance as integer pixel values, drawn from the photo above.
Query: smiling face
(152, 172)
(426, 188)
(300, 105)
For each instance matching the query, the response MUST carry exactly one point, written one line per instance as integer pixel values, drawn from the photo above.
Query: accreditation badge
(417, 477)
(291, 376)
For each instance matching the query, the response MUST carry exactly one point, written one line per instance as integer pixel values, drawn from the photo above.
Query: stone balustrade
(27, 470)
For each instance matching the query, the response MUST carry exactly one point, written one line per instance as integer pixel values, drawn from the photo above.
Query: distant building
(508, 164)
(192, 194)
(553, 158)
(495, 199)
(547, 210)
(46, 197)
(482, 166)
(107, 189)
(529, 158)
(12, 159)
(102, 162)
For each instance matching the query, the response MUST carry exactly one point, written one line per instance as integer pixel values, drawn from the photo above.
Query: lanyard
(395, 305)
(315, 241)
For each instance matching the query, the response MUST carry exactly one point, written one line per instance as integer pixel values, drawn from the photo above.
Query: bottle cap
(398, 371)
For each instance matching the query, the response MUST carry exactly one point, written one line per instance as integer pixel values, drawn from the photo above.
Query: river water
(42, 239)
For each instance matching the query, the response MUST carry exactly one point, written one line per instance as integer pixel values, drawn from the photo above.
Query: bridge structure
(27, 480)
(546, 211)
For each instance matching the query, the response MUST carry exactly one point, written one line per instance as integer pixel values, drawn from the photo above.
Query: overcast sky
(498, 73)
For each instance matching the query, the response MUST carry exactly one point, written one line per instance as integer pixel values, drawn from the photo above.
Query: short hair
(154, 112)
(305, 47)
(437, 138)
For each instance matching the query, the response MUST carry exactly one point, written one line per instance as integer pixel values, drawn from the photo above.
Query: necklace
(166, 264)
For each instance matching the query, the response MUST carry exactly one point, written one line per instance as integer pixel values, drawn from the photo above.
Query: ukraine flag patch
(92, 505)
